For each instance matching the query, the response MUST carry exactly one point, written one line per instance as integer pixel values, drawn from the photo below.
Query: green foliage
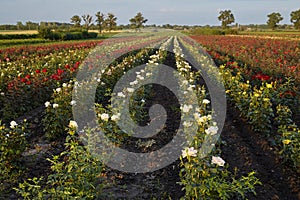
(110, 21)
(290, 138)
(295, 18)
(284, 115)
(203, 175)
(17, 36)
(274, 19)
(24, 96)
(100, 21)
(206, 31)
(77, 35)
(226, 17)
(14, 42)
(48, 33)
(203, 180)
(260, 110)
(87, 19)
(76, 174)
(137, 21)
(58, 112)
(231, 32)
(12, 145)
(76, 20)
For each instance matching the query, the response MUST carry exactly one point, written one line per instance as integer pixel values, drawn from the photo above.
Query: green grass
(42, 42)
(38, 41)
(18, 42)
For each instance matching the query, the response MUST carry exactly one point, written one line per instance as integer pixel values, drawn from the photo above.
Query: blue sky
(190, 12)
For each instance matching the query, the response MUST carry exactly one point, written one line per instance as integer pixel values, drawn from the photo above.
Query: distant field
(271, 32)
(36, 32)
(19, 32)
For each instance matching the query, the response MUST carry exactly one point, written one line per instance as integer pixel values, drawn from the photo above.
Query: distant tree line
(87, 22)
(108, 22)
(226, 17)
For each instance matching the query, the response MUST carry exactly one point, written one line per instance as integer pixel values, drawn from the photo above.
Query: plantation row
(76, 173)
(262, 80)
(33, 77)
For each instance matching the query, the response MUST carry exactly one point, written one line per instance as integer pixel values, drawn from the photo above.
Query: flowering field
(47, 143)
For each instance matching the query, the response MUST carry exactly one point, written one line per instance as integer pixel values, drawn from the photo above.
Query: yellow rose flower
(286, 141)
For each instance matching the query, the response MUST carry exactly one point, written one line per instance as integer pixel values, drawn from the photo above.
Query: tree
(76, 20)
(31, 25)
(20, 25)
(110, 21)
(295, 18)
(87, 21)
(137, 21)
(274, 19)
(100, 21)
(226, 17)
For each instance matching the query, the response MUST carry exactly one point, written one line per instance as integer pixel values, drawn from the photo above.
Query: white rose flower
(73, 124)
(116, 117)
(13, 124)
(218, 161)
(104, 117)
(202, 119)
(120, 94)
(196, 116)
(185, 82)
(186, 108)
(58, 89)
(212, 130)
(47, 104)
(140, 77)
(209, 117)
(189, 151)
(73, 102)
(205, 101)
(134, 82)
(55, 105)
(64, 85)
(191, 88)
(187, 124)
(130, 89)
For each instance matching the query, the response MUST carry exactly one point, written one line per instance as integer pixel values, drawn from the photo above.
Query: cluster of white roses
(185, 70)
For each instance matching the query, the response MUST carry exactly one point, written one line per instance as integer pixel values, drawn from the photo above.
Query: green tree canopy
(76, 20)
(137, 21)
(226, 17)
(100, 20)
(274, 19)
(295, 18)
(110, 21)
(88, 19)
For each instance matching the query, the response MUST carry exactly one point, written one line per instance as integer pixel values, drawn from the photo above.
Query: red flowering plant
(28, 80)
